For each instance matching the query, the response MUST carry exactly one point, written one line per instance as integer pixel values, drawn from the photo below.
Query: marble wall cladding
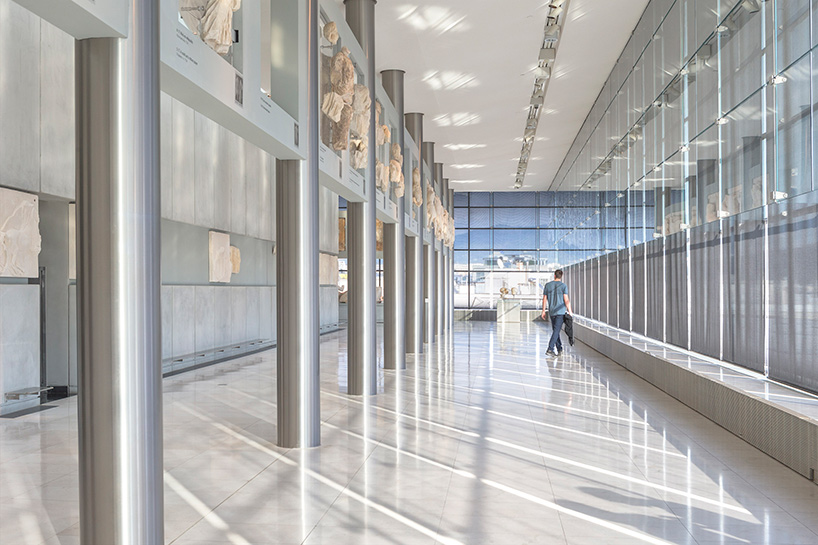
(253, 172)
(167, 321)
(183, 163)
(328, 221)
(20, 104)
(223, 181)
(238, 315)
(266, 199)
(206, 155)
(253, 313)
(166, 153)
(184, 308)
(57, 135)
(19, 340)
(73, 348)
(328, 296)
(205, 317)
(223, 305)
(266, 313)
(238, 181)
(327, 269)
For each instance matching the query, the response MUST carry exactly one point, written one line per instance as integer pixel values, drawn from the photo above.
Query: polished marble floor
(482, 441)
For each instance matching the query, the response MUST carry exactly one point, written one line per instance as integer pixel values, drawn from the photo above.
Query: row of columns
(118, 203)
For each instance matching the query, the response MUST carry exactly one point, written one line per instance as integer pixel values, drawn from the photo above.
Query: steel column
(414, 253)
(440, 279)
(394, 250)
(297, 323)
(118, 284)
(429, 272)
(362, 365)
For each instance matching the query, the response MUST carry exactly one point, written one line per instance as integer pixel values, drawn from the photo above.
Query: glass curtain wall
(513, 241)
(705, 130)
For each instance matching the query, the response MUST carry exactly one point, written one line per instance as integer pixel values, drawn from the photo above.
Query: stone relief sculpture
(235, 260)
(382, 135)
(342, 234)
(362, 112)
(331, 32)
(220, 266)
(395, 151)
(358, 153)
(340, 130)
(378, 235)
(430, 208)
(417, 190)
(333, 106)
(395, 171)
(342, 74)
(217, 24)
(381, 176)
(20, 241)
(400, 187)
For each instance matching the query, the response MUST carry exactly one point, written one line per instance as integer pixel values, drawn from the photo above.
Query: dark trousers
(556, 327)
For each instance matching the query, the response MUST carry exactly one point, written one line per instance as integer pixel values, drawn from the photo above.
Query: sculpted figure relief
(20, 241)
(417, 190)
(217, 24)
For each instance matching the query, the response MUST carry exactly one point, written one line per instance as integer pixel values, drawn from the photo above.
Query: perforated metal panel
(603, 289)
(705, 271)
(594, 284)
(743, 249)
(624, 289)
(676, 289)
(793, 225)
(613, 289)
(655, 292)
(639, 321)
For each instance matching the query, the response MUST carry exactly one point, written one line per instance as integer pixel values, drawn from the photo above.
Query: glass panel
(793, 130)
(480, 199)
(461, 239)
(479, 217)
(461, 198)
(510, 239)
(480, 239)
(515, 198)
(515, 217)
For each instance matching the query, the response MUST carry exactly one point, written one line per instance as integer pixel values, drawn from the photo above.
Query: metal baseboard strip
(790, 438)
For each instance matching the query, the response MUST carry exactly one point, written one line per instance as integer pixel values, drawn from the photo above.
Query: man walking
(555, 300)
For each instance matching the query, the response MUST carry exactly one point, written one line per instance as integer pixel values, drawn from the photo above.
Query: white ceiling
(469, 69)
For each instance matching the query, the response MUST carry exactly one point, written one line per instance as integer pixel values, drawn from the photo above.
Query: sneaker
(551, 353)
(559, 352)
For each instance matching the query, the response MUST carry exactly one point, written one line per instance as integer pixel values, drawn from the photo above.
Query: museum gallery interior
(282, 272)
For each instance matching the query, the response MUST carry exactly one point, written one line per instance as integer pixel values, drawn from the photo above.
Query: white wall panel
(57, 147)
(167, 321)
(19, 97)
(266, 310)
(253, 313)
(253, 172)
(223, 310)
(223, 179)
(183, 163)
(238, 315)
(184, 306)
(166, 153)
(205, 318)
(238, 175)
(19, 340)
(206, 156)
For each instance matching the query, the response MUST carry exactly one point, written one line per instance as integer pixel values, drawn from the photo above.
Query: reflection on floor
(482, 441)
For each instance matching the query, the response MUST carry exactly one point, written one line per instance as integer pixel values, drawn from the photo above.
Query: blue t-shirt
(555, 290)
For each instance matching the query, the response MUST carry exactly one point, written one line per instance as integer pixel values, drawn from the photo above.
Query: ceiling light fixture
(542, 75)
